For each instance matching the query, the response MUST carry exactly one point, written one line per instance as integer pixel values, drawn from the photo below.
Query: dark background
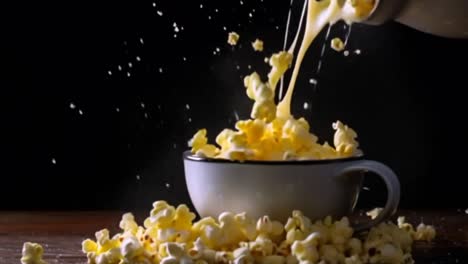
(404, 95)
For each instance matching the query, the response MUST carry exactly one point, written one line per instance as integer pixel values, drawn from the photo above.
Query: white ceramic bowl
(316, 187)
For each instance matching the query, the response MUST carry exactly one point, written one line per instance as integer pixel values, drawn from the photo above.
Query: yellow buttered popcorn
(133, 251)
(307, 249)
(169, 224)
(176, 254)
(269, 228)
(257, 45)
(345, 140)
(280, 62)
(374, 212)
(32, 254)
(337, 44)
(242, 255)
(200, 146)
(233, 38)
(170, 235)
(104, 250)
(247, 225)
(424, 232)
(128, 224)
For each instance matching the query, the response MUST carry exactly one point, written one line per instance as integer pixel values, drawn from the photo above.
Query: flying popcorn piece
(402, 224)
(345, 140)
(233, 38)
(280, 62)
(374, 212)
(198, 141)
(32, 254)
(337, 44)
(257, 45)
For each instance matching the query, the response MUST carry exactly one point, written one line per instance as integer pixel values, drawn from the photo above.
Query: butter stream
(320, 14)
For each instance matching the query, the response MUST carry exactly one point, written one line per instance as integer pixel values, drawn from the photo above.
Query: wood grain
(61, 234)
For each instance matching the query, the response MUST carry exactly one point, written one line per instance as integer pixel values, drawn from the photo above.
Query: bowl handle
(391, 182)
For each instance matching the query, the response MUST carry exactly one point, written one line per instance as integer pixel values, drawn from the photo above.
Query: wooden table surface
(61, 234)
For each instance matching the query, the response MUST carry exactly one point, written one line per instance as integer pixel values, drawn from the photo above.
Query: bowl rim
(188, 156)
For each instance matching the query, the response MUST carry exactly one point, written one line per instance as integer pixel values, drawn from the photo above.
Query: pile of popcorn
(170, 235)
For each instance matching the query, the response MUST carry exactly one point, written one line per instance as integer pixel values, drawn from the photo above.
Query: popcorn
(337, 44)
(387, 243)
(242, 256)
(297, 227)
(200, 146)
(32, 254)
(233, 38)
(340, 231)
(128, 224)
(257, 45)
(198, 140)
(280, 62)
(104, 250)
(307, 249)
(330, 254)
(247, 226)
(424, 232)
(269, 228)
(354, 246)
(353, 260)
(264, 107)
(175, 254)
(345, 140)
(169, 235)
(273, 259)
(267, 137)
(262, 246)
(405, 226)
(374, 212)
(133, 251)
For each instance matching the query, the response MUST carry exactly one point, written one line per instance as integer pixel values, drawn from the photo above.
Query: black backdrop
(78, 133)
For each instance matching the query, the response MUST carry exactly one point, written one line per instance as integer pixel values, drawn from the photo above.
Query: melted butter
(319, 15)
